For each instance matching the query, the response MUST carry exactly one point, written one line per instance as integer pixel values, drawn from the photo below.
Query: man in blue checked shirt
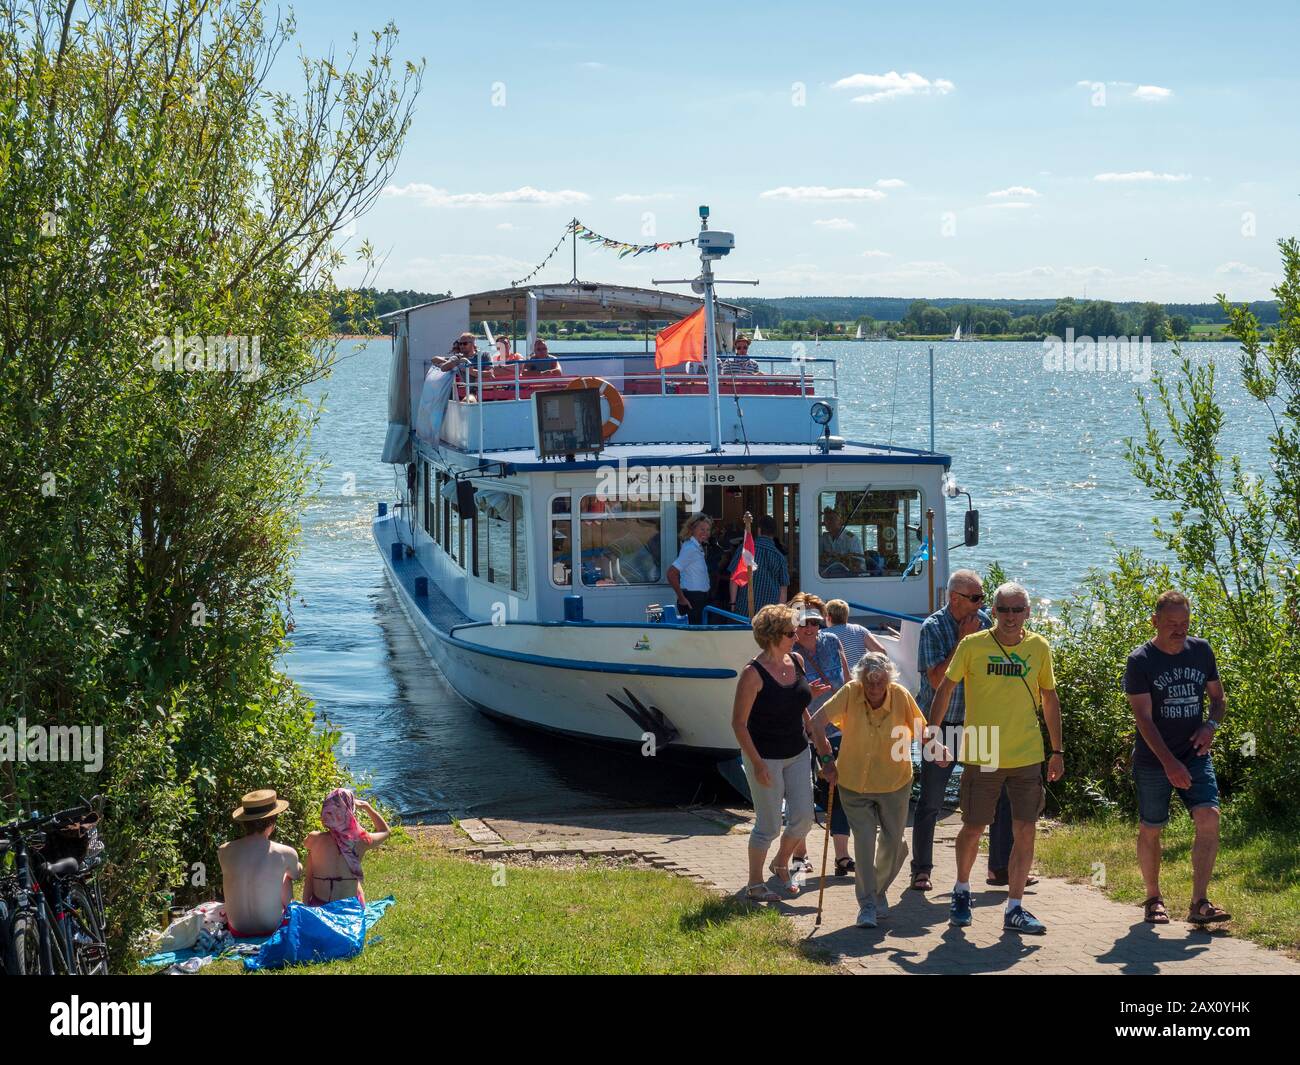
(771, 576)
(942, 631)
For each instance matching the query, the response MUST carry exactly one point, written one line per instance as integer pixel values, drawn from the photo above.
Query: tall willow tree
(168, 238)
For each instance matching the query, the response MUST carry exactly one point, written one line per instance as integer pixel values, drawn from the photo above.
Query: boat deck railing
(777, 376)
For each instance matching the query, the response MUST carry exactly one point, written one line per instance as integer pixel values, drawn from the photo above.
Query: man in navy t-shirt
(1166, 682)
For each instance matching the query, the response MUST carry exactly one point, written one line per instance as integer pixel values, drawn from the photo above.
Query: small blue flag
(922, 555)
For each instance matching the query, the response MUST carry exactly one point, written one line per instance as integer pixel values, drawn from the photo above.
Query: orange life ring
(608, 393)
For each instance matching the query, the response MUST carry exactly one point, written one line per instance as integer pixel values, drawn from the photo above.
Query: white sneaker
(867, 916)
(882, 907)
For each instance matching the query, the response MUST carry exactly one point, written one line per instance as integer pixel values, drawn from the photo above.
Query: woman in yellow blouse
(872, 775)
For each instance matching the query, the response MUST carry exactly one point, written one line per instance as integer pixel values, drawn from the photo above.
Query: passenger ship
(541, 594)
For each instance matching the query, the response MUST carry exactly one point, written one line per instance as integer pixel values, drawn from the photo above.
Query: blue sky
(1114, 150)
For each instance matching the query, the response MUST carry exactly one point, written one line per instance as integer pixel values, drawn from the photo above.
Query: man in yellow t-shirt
(879, 720)
(1007, 673)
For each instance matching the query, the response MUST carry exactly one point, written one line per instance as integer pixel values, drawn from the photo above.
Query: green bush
(151, 184)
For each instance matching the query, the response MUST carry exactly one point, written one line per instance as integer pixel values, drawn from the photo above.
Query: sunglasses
(1013, 610)
(973, 598)
(788, 633)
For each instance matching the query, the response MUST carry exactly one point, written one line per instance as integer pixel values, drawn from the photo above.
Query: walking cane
(826, 846)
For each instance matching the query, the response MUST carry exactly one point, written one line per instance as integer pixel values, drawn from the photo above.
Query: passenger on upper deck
(839, 552)
(462, 353)
(543, 363)
(740, 362)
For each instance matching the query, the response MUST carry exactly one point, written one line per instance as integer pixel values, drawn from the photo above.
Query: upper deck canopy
(581, 301)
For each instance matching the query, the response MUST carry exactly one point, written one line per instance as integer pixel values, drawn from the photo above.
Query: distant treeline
(769, 313)
(358, 310)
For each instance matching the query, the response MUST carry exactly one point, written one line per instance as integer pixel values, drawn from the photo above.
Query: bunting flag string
(623, 248)
(551, 255)
(589, 236)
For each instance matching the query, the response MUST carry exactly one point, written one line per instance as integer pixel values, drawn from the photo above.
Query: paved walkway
(1087, 932)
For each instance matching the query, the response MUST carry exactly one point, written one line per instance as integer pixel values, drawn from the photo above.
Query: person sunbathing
(334, 855)
(257, 875)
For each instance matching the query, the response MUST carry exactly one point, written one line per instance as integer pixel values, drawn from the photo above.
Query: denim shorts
(1154, 790)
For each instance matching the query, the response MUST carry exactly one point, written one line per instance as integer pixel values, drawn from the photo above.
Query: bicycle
(55, 924)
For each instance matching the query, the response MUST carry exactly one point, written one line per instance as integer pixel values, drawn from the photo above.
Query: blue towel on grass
(320, 933)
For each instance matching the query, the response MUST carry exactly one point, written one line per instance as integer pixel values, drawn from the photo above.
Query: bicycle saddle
(63, 867)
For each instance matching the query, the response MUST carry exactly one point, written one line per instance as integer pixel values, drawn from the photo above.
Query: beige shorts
(979, 793)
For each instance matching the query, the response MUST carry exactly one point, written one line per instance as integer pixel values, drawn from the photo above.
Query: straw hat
(259, 804)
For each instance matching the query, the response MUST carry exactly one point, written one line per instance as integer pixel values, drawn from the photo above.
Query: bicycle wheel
(24, 945)
(89, 949)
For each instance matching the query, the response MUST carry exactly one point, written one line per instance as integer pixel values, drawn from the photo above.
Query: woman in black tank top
(768, 717)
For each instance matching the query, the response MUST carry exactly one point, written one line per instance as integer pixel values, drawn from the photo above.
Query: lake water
(1041, 452)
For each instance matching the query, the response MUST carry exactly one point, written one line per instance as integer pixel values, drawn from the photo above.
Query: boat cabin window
(426, 501)
(869, 534)
(561, 542)
(620, 541)
(459, 538)
(500, 539)
(441, 511)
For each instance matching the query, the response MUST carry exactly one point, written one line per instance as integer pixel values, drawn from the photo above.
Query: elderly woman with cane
(769, 716)
(879, 720)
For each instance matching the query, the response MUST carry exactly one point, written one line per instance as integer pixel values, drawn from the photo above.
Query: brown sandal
(921, 882)
(1203, 911)
(1154, 912)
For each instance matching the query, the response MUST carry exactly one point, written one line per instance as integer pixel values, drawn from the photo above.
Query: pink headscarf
(337, 814)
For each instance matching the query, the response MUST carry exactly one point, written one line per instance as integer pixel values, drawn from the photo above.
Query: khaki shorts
(979, 793)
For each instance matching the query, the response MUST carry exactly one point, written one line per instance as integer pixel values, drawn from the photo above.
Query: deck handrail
(886, 613)
(727, 614)
(804, 380)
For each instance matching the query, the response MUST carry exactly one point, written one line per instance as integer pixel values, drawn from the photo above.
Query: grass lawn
(1256, 877)
(450, 918)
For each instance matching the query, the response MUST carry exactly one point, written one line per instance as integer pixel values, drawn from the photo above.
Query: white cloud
(1246, 275)
(452, 272)
(891, 183)
(822, 193)
(892, 85)
(1141, 175)
(1146, 93)
(1014, 190)
(834, 223)
(506, 225)
(641, 197)
(875, 253)
(1010, 204)
(591, 64)
(431, 196)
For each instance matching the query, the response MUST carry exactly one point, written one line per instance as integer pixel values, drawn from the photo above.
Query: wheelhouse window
(875, 533)
(620, 542)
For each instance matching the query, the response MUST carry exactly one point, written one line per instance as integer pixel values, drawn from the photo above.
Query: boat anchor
(648, 719)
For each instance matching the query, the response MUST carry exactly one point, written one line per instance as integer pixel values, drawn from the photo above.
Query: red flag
(681, 342)
(745, 564)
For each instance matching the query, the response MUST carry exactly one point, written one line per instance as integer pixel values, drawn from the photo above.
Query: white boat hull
(675, 685)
